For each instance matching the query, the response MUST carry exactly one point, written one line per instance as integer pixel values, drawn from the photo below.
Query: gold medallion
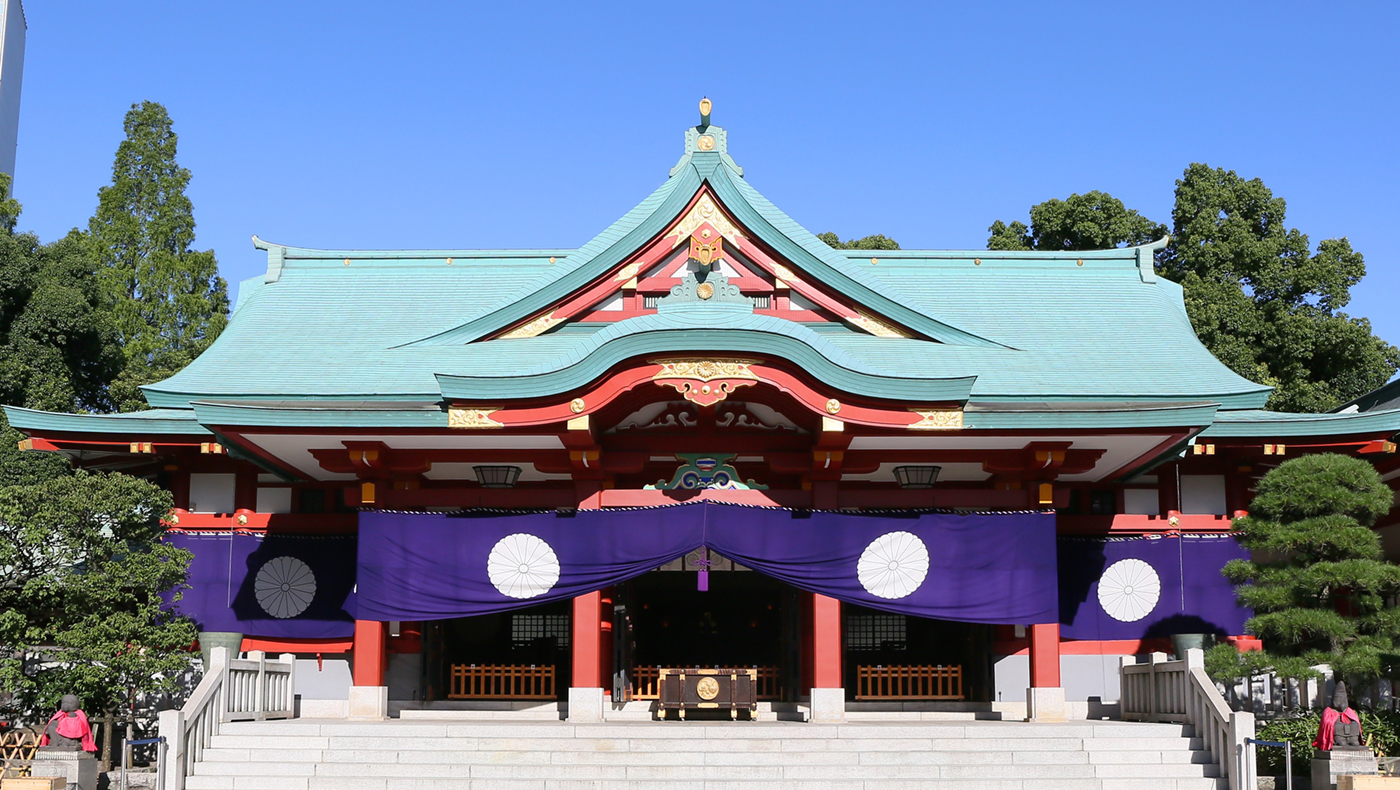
(705, 291)
(707, 688)
(705, 143)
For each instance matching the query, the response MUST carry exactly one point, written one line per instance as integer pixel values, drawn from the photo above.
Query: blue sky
(457, 125)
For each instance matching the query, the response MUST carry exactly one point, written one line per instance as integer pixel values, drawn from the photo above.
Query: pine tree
(1319, 582)
(168, 300)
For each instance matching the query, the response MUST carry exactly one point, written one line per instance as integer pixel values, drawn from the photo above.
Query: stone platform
(487, 754)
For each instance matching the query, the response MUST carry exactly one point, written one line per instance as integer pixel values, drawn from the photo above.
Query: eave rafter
(707, 225)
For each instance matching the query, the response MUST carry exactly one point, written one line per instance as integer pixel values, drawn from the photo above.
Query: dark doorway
(740, 621)
(884, 642)
(517, 644)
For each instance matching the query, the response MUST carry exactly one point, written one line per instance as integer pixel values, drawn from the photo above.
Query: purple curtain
(1148, 587)
(974, 568)
(276, 586)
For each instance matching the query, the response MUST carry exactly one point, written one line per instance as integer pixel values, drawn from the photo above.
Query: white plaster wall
(211, 493)
(1082, 677)
(1203, 494)
(330, 681)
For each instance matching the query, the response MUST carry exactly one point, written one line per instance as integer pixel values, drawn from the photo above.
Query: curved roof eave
(1262, 423)
(662, 334)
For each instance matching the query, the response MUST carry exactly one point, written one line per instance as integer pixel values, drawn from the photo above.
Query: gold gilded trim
(704, 369)
(458, 417)
(874, 326)
(937, 420)
(536, 327)
(704, 210)
(628, 272)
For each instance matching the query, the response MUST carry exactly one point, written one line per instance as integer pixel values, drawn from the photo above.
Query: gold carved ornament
(705, 210)
(538, 326)
(459, 417)
(937, 420)
(874, 326)
(628, 272)
(705, 381)
(707, 688)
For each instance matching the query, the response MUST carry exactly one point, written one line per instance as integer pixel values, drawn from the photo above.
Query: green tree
(1319, 582)
(876, 242)
(1091, 221)
(81, 569)
(168, 300)
(1263, 301)
(1258, 296)
(58, 348)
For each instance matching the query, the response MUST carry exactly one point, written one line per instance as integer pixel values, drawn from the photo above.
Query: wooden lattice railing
(646, 683)
(502, 681)
(909, 682)
(16, 750)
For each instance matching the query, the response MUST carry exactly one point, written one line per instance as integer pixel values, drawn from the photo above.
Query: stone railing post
(171, 726)
(1241, 756)
(290, 690)
(259, 685)
(1154, 707)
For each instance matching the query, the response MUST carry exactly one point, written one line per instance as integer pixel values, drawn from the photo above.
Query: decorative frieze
(538, 326)
(459, 417)
(705, 381)
(937, 420)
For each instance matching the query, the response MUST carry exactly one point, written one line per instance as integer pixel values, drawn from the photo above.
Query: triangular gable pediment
(706, 236)
(707, 209)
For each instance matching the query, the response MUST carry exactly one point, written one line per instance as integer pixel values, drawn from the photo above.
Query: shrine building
(707, 439)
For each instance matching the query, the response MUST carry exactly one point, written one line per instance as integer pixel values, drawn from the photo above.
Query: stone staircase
(486, 754)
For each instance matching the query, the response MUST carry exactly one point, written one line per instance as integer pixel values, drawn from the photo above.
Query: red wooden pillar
(587, 644)
(371, 642)
(826, 642)
(588, 610)
(605, 641)
(1045, 655)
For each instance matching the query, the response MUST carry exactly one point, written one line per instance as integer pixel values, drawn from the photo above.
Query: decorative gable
(706, 238)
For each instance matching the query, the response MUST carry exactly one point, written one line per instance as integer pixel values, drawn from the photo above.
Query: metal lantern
(497, 476)
(917, 476)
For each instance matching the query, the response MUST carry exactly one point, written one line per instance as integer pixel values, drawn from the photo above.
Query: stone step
(480, 753)
(269, 760)
(466, 728)
(466, 783)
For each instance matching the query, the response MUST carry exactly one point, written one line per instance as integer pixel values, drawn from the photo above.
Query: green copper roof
(350, 325)
(574, 361)
(152, 422)
(1271, 424)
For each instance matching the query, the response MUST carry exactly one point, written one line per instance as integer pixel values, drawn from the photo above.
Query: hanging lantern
(917, 476)
(497, 476)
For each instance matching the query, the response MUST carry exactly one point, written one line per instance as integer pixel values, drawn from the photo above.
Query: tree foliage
(1091, 221)
(58, 349)
(875, 242)
(1263, 301)
(1259, 297)
(81, 569)
(168, 301)
(1319, 583)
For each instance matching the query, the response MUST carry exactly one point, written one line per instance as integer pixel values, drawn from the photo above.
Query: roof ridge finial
(705, 111)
